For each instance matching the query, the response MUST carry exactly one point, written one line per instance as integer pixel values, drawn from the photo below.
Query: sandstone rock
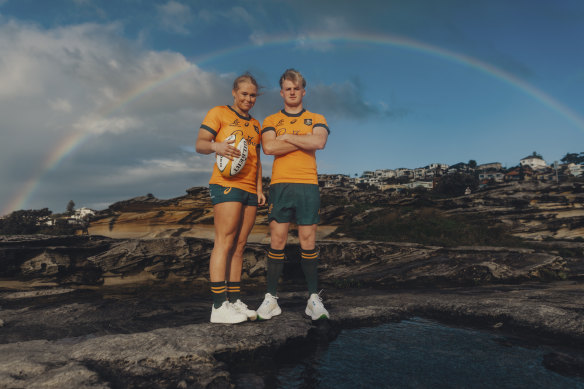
(534, 211)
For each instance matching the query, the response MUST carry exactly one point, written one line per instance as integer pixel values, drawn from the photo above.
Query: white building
(404, 172)
(385, 173)
(576, 170)
(82, 213)
(419, 173)
(534, 161)
(441, 166)
(423, 184)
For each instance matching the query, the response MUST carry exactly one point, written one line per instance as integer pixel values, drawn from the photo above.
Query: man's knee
(307, 236)
(278, 241)
(278, 234)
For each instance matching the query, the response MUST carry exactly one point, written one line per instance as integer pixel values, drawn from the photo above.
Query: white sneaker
(241, 307)
(269, 308)
(226, 314)
(315, 309)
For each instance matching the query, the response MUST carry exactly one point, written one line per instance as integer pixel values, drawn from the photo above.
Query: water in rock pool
(419, 353)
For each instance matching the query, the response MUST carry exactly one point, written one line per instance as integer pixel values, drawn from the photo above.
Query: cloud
(98, 125)
(61, 105)
(107, 104)
(175, 17)
(164, 166)
(345, 100)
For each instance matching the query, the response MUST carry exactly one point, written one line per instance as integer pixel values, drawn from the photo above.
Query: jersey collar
(294, 114)
(237, 113)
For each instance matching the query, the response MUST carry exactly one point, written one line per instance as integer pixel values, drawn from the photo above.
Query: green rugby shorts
(222, 194)
(294, 202)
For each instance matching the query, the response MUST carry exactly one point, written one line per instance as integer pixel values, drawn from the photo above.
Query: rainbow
(76, 138)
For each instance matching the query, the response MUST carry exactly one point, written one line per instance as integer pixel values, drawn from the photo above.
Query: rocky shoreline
(140, 343)
(96, 312)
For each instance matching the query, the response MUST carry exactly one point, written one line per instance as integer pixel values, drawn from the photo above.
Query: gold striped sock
(309, 254)
(276, 254)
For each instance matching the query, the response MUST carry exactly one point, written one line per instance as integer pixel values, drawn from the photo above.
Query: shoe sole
(232, 321)
(228, 322)
(323, 316)
(269, 317)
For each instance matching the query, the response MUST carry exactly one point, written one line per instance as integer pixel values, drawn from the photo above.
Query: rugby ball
(230, 168)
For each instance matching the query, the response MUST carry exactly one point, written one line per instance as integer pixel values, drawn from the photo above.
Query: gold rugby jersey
(222, 121)
(298, 166)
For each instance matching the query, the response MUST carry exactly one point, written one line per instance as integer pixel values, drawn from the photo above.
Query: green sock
(275, 267)
(309, 263)
(219, 292)
(234, 291)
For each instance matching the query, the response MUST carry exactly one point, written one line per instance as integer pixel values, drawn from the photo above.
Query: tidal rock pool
(420, 353)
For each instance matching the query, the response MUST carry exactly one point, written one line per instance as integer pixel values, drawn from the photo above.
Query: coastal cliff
(531, 210)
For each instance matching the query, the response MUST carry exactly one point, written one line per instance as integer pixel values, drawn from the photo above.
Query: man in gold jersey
(293, 135)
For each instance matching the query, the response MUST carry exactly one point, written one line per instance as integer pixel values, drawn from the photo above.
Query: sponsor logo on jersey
(251, 141)
(281, 131)
(308, 122)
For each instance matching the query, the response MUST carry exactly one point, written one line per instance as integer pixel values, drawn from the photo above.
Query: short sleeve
(212, 121)
(320, 121)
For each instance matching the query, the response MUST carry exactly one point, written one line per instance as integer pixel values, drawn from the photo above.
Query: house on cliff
(334, 180)
(385, 173)
(534, 161)
(576, 170)
(420, 184)
(80, 215)
(460, 167)
(404, 172)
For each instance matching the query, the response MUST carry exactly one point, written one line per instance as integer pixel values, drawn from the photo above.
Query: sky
(101, 101)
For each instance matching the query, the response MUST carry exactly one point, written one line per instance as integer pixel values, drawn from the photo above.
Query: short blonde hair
(294, 76)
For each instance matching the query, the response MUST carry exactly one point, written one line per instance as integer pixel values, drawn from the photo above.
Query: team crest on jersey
(293, 121)
(308, 122)
(280, 123)
(257, 130)
(235, 123)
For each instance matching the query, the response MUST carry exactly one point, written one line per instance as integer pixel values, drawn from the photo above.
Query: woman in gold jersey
(235, 199)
